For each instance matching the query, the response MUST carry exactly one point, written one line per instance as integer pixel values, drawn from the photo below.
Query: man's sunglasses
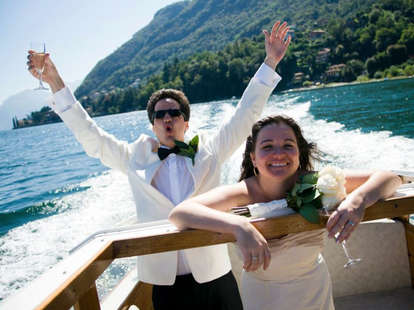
(161, 113)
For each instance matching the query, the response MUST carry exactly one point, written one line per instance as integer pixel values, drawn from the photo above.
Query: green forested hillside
(182, 29)
(370, 42)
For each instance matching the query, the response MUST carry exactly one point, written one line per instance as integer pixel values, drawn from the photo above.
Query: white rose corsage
(313, 191)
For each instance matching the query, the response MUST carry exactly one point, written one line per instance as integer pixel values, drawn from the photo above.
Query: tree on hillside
(385, 37)
(377, 63)
(353, 69)
(398, 53)
(407, 38)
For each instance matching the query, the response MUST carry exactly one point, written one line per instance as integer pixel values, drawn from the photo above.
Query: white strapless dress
(297, 278)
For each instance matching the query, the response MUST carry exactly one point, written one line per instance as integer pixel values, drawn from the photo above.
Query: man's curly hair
(164, 93)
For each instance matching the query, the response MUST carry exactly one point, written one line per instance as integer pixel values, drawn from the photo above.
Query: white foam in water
(351, 149)
(31, 249)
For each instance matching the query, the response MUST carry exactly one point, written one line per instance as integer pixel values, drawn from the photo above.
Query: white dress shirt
(176, 183)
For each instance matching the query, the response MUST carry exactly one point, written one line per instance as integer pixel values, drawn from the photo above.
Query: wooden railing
(72, 281)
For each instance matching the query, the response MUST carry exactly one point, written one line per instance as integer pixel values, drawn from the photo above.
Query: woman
(296, 278)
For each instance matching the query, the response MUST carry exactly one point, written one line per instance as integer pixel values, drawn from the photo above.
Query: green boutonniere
(189, 149)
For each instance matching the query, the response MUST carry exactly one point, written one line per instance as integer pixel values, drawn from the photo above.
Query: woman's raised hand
(253, 246)
(276, 43)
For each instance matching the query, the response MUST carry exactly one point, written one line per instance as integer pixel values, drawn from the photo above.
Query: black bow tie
(164, 152)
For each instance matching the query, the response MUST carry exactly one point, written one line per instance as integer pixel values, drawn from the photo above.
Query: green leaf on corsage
(311, 196)
(310, 213)
(305, 198)
(303, 187)
(310, 178)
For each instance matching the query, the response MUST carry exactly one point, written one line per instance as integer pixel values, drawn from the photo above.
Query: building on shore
(334, 72)
(298, 78)
(322, 55)
(316, 34)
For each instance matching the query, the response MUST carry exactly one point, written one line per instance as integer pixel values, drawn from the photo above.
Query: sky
(77, 34)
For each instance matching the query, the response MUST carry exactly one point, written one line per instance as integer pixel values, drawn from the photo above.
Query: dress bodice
(293, 255)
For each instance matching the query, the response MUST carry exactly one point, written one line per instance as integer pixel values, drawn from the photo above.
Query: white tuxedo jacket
(140, 164)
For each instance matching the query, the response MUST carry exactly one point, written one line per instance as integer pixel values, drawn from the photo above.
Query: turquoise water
(380, 106)
(52, 196)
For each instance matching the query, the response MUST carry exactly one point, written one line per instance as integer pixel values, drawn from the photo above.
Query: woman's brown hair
(307, 151)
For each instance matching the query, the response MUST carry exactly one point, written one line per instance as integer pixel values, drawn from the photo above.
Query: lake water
(52, 196)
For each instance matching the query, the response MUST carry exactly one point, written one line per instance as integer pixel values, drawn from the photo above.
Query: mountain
(23, 103)
(184, 28)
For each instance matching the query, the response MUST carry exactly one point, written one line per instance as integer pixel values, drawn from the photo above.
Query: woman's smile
(278, 165)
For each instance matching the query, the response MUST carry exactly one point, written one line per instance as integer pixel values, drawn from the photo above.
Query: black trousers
(186, 293)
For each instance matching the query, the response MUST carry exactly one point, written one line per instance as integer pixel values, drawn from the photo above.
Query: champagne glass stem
(351, 261)
(40, 71)
(343, 243)
(41, 86)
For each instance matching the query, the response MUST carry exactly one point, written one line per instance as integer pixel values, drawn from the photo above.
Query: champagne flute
(351, 261)
(38, 60)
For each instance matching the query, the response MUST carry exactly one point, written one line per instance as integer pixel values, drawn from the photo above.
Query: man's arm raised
(251, 105)
(50, 74)
(95, 141)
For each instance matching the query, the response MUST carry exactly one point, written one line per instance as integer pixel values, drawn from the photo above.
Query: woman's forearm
(195, 215)
(365, 190)
(380, 185)
(209, 212)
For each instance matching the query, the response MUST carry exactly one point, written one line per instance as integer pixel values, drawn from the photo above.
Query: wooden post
(89, 300)
(409, 233)
(140, 296)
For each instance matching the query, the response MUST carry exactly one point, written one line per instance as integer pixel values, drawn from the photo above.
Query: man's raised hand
(276, 43)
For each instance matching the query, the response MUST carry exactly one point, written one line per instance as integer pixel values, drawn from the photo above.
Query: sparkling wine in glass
(351, 261)
(38, 61)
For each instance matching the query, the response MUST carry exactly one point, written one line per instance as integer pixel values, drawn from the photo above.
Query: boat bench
(382, 280)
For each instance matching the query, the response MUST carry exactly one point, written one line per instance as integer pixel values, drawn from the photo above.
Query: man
(161, 177)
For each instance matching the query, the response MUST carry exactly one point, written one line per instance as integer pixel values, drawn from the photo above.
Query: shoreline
(341, 84)
(291, 90)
